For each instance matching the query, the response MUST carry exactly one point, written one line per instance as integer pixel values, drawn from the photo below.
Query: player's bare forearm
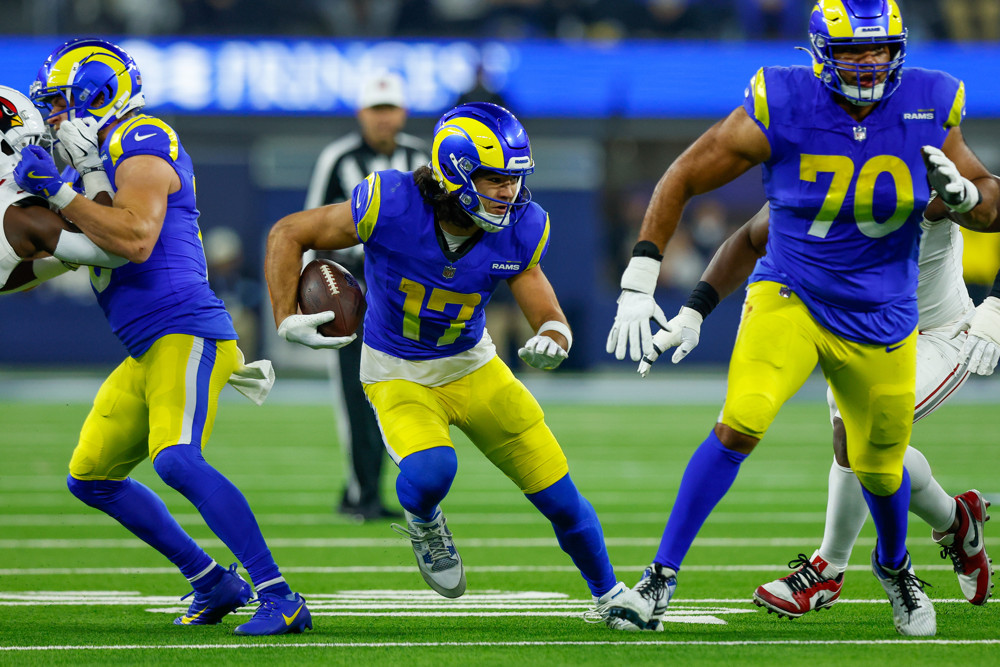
(131, 226)
(324, 228)
(984, 217)
(726, 150)
(735, 259)
(537, 300)
(282, 265)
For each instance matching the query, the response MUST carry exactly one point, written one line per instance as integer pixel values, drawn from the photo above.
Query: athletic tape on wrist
(967, 203)
(558, 327)
(641, 275)
(95, 182)
(63, 197)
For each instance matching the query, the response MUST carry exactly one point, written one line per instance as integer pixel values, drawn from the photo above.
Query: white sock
(846, 511)
(927, 499)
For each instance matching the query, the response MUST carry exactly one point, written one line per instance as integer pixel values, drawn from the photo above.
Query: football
(325, 285)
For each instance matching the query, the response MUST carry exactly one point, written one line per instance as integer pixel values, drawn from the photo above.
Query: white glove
(542, 352)
(982, 348)
(636, 307)
(301, 329)
(683, 331)
(957, 192)
(78, 144)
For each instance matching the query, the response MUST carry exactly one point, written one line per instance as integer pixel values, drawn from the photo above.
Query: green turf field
(76, 588)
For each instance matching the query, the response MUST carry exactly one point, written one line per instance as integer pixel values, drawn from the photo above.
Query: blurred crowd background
(596, 171)
(961, 20)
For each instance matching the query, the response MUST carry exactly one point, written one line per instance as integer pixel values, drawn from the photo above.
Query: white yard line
(393, 569)
(388, 542)
(612, 644)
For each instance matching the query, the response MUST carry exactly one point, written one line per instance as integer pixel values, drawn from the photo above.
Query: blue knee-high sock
(890, 516)
(142, 512)
(708, 476)
(224, 509)
(424, 480)
(579, 532)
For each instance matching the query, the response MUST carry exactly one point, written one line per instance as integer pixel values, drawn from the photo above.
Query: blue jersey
(425, 302)
(847, 197)
(169, 292)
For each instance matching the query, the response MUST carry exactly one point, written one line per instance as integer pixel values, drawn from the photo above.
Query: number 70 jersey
(847, 197)
(425, 302)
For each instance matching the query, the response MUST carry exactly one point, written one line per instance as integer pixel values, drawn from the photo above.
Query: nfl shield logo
(860, 133)
(449, 272)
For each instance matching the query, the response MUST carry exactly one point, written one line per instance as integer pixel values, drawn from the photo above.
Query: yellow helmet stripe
(366, 225)
(541, 245)
(486, 141)
(838, 21)
(65, 68)
(895, 19)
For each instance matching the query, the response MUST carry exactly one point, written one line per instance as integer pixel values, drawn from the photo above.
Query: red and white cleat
(966, 549)
(814, 585)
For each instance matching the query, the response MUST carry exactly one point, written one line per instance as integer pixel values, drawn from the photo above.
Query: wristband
(641, 275)
(704, 298)
(968, 202)
(558, 327)
(647, 249)
(63, 197)
(96, 181)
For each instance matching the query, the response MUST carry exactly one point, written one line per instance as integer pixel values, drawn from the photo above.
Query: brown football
(325, 285)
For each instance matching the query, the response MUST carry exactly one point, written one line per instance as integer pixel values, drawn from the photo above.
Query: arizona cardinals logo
(9, 117)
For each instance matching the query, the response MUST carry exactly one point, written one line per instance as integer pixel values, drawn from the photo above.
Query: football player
(438, 241)
(942, 368)
(160, 403)
(31, 232)
(843, 146)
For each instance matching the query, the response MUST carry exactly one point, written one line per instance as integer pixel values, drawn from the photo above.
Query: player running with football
(844, 173)
(31, 232)
(438, 241)
(943, 365)
(160, 403)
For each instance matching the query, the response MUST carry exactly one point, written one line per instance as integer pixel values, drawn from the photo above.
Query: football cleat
(912, 611)
(277, 615)
(231, 593)
(966, 550)
(814, 585)
(642, 608)
(438, 559)
(599, 613)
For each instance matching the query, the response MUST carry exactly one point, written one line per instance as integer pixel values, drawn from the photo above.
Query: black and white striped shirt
(347, 161)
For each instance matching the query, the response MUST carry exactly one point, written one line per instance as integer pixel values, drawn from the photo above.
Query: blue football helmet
(481, 136)
(839, 23)
(93, 77)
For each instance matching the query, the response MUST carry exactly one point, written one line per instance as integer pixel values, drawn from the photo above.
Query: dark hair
(445, 204)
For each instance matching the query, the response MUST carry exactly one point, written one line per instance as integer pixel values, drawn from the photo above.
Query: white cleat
(912, 611)
(602, 605)
(642, 608)
(438, 559)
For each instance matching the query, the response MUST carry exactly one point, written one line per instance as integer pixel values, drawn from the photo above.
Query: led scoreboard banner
(581, 79)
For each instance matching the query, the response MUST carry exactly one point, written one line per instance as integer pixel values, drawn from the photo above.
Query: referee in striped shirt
(378, 144)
